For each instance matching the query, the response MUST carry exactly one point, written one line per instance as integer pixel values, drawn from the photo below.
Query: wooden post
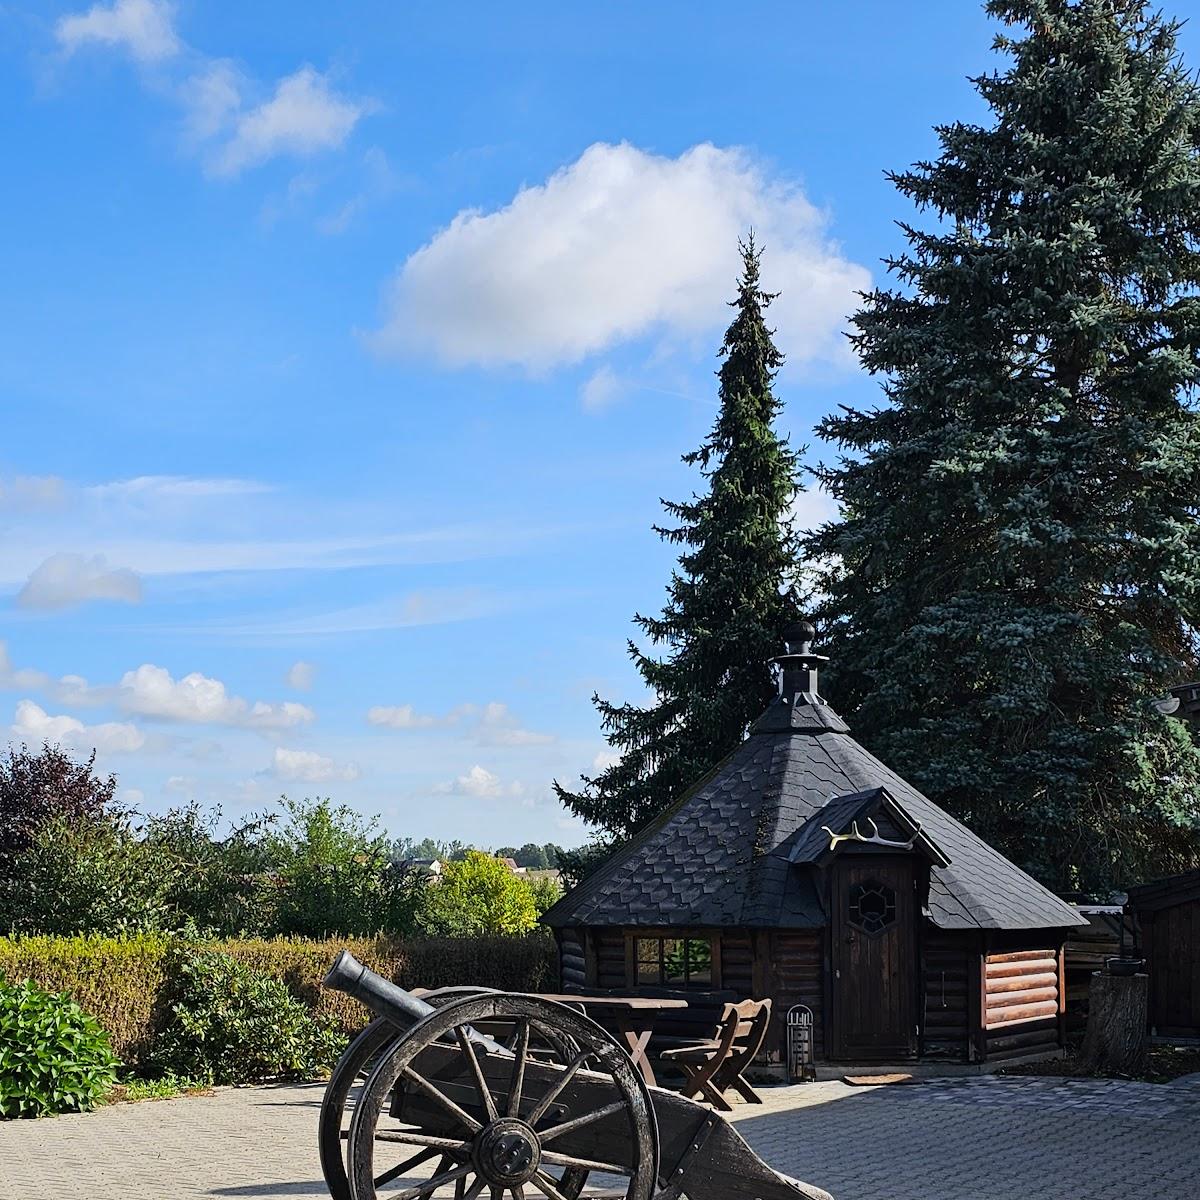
(1116, 1040)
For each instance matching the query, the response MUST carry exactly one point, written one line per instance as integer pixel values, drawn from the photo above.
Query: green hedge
(124, 982)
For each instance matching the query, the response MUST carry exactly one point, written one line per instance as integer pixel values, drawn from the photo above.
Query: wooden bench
(714, 1065)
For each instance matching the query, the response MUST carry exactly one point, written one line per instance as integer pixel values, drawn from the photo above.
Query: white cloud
(492, 724)
(304, 116)
(618, 245)
(481, 784)
(198, 699)
(66, 580)
(601, 390)
(498, 726)
(211, 98)
(13, 679)
(143, 28)
(605, 759)
(400, 716)
(309, 767)
(26, 493)
(33, 724)
(812, 508)
(301, 675)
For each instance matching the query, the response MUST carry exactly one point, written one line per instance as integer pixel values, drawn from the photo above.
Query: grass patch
(166, 1088)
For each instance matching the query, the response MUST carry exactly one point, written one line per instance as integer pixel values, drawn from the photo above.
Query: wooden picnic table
(631, 1016)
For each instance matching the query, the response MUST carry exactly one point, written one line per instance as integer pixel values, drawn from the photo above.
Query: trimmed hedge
(125, 982)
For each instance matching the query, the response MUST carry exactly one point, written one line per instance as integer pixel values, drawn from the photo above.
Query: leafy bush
(479, 895)
(232, 1024)
(335, 874)
(87, 876)
(54, 1057)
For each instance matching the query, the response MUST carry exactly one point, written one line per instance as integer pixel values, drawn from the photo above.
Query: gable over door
(873, 956)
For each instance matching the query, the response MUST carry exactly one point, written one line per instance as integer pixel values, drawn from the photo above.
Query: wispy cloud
(307, 766)
(492, 724)
(481, 784)
(143, 29)
(300, 675)
(303, 116)
(229, 119)
(68, 580)
(31, 493)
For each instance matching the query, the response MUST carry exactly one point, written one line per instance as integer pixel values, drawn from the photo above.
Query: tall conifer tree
(727, 604)
(1017, 568)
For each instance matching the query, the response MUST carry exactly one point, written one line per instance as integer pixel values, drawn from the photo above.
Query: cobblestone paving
(952, 1139)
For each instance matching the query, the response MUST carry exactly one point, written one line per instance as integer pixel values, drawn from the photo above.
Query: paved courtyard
(952, 1139)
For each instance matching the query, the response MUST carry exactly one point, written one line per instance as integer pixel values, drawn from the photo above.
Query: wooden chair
(713, 1066)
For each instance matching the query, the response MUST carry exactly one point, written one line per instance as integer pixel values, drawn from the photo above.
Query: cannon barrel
(380, 995)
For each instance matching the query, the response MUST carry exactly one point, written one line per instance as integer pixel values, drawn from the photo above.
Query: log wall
(1022, 1000)
(1172, 942)
(608, 946)
(947, 961)
(794, 974)
(572, 960)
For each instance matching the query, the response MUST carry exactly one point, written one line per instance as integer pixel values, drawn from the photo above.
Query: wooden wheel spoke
(561, 1082)
(468, 1052)
(428, 1186)
(439, 1097)
(518, 1073)
(412, 1137)
(584, 1164)
(579, 1122)
(547, 1186)
(415, 1161)
(475, 1189)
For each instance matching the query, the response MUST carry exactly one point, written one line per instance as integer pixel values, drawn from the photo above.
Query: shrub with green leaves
(231, 1024)
(54, 1057)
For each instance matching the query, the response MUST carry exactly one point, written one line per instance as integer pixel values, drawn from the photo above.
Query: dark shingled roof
(719, 856)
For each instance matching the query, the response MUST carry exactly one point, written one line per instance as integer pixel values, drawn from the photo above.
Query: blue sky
(347, 349)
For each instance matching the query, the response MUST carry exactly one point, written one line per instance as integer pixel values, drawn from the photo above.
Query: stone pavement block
(1040, 1139)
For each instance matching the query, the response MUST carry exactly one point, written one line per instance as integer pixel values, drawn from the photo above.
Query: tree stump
(1118, 1008)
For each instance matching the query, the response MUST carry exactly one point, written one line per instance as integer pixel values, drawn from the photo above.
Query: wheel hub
(507, 1152)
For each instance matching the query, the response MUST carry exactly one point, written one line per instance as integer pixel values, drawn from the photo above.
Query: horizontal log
(1020, 983)
(1021, 999)
(1021, 955)
(1043, 966)
(997, 1017)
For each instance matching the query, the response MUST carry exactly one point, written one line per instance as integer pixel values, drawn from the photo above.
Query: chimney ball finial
(799, 637)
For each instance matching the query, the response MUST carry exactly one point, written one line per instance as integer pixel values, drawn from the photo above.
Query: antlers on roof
(873, 840)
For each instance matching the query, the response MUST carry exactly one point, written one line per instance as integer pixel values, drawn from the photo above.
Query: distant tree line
(531, 855)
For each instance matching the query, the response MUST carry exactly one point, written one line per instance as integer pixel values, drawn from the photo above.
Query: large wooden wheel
(355, 1066)
(494, 1115)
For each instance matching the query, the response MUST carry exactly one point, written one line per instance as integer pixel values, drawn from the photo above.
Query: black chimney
(800, 665)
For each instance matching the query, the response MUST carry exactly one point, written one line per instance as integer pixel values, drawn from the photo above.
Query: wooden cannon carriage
(514, 1095)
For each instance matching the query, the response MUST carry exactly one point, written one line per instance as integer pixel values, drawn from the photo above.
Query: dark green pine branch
(727, 602)
(1015, 577)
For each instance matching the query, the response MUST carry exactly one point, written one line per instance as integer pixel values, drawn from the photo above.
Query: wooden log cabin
(1168, 916)
(803, 869)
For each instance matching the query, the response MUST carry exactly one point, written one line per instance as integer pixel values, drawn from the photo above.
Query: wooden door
(873, 959)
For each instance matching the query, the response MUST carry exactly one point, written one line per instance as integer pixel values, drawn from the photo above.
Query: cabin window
(872, 906)
(674, 962)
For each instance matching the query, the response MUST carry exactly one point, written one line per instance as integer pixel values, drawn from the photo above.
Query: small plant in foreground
(54, 1057)
(232, 1024)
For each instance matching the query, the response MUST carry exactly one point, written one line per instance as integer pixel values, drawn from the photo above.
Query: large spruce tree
(727, 604)
(1016, 574)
